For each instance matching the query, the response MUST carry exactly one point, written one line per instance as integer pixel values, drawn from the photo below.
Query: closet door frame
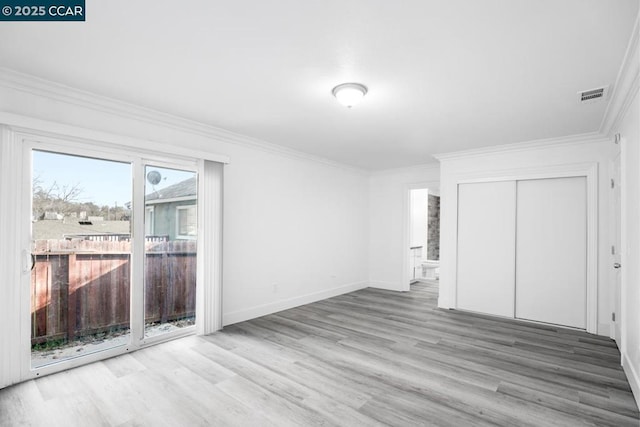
(590, 172)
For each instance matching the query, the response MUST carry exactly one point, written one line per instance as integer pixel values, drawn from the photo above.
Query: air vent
(593, 95)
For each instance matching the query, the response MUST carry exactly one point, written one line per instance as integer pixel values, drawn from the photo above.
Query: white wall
(295, 228)
(389, 222)
(510, 160)
(630, 292)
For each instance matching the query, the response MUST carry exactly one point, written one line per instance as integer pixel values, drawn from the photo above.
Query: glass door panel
(81, 256)
(170, 249)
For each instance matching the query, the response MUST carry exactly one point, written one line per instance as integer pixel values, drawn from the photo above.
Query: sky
(103, 182)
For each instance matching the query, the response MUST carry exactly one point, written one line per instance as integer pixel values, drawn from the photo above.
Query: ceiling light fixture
(349, 94)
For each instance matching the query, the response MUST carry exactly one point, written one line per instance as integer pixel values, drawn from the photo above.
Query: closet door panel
(551, 251)
(486, 247)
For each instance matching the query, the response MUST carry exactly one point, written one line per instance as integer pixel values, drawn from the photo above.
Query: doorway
(423, 235)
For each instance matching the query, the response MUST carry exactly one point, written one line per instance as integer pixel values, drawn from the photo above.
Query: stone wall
(433, 228)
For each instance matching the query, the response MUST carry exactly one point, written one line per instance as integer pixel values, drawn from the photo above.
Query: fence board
(81, 287)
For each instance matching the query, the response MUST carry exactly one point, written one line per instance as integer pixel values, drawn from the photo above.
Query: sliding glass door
(102, 281)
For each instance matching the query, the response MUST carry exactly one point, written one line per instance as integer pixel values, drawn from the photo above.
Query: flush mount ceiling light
(349, 94)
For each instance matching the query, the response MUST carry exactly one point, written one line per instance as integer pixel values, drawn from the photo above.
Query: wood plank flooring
(367, 358)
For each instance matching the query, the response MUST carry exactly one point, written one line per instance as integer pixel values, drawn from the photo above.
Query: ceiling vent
(593, 95)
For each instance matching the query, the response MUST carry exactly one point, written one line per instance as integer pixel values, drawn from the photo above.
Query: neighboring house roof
(183, 190)
(58, 229)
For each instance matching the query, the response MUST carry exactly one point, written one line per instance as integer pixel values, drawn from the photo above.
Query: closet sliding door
(486, 247)
(551, 260)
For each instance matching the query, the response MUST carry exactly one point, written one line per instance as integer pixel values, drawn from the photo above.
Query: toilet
(431, 269)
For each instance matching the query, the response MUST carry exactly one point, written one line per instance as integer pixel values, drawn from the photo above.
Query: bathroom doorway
(423, 235)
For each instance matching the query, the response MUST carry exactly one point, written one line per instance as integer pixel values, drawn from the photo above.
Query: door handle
(616, 265)
(28, 261)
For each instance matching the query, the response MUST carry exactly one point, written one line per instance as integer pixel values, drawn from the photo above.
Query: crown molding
(28, 128)
(626, 85)
(423, 167)
(22, 82)
(579, 139)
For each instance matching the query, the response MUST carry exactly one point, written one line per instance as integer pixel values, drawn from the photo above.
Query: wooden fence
(83, 287)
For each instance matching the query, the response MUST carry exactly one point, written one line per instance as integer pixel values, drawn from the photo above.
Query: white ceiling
(442, 75)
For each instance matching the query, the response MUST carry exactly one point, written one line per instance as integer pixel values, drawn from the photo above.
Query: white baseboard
(632, 376)
(389, 286)
(274, 307)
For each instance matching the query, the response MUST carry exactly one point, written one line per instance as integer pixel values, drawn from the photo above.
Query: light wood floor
(367, 358)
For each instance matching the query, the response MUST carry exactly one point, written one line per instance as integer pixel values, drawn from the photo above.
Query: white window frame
(179, 209)
(149, 221)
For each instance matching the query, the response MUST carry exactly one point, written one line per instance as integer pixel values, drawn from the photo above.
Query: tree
(62, 199)
(66, 200)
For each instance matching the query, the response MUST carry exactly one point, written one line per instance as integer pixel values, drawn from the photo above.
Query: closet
(522, 249)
